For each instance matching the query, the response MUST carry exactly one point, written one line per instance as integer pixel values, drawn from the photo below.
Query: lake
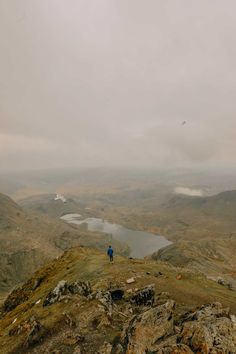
(141, 243)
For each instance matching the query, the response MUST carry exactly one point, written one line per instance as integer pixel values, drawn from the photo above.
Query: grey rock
(64, 290)
(56, 293)
(81, 288)
(145, 296)
(105, 298)
(225, 283)
(144, 330)
(210, 331)
(209, 311)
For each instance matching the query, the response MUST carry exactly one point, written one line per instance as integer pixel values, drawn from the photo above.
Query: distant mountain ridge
(47, 204)
(223, 199)
(196, 217)
(205, 232)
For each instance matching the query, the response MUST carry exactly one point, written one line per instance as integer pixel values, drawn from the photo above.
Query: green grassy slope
(29, 239)
(81, 264)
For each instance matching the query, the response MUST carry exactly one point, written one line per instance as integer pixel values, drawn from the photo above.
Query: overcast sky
(109, 83)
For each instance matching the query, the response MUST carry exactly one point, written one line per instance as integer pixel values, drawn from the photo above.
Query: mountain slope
(47, 204)
(28, 239)
(204, 229)
(58, 311)
(177, 217)
(9, 212)
(218, 205)
(194, 218)
(213, 258)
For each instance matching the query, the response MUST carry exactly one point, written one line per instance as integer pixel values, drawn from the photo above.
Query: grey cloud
(109, 82)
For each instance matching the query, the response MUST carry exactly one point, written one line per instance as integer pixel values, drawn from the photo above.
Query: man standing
(110, 253)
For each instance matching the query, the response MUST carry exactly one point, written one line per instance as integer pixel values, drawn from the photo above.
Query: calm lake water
(141, 243)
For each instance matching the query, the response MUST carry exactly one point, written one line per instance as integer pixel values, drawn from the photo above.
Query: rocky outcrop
(144, 296)
(226, 283)
(105, 298)
(144, 330)
(114, 317)
(211, 330)
(64, 289)
(208, 330)
(152, 323)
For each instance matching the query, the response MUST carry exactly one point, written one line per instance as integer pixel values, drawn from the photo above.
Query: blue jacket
(110, 251)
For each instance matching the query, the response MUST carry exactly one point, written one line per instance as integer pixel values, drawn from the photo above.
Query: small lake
(141, 243)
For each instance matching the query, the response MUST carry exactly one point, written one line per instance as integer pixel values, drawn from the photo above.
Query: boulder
(105, 298)
(130, 280)
(56, 293)
(144, 330)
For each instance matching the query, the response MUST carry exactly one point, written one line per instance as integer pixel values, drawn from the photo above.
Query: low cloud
(189, 191)
(84, 84)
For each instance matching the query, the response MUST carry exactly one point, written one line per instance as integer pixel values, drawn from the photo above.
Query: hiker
(110, 253)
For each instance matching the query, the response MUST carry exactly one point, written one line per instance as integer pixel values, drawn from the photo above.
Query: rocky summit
(80, 303)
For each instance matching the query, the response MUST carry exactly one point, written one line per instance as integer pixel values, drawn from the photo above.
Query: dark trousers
(111, 258)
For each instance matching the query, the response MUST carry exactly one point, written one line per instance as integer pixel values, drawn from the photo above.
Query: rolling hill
(46, 204)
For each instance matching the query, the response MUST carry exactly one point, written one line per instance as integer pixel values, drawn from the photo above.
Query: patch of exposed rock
(226, 283)
(145, 296)
(145, 330)
(64, 289)
(152, 324)
(33, 330)
(105, 298)
(210, 329)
